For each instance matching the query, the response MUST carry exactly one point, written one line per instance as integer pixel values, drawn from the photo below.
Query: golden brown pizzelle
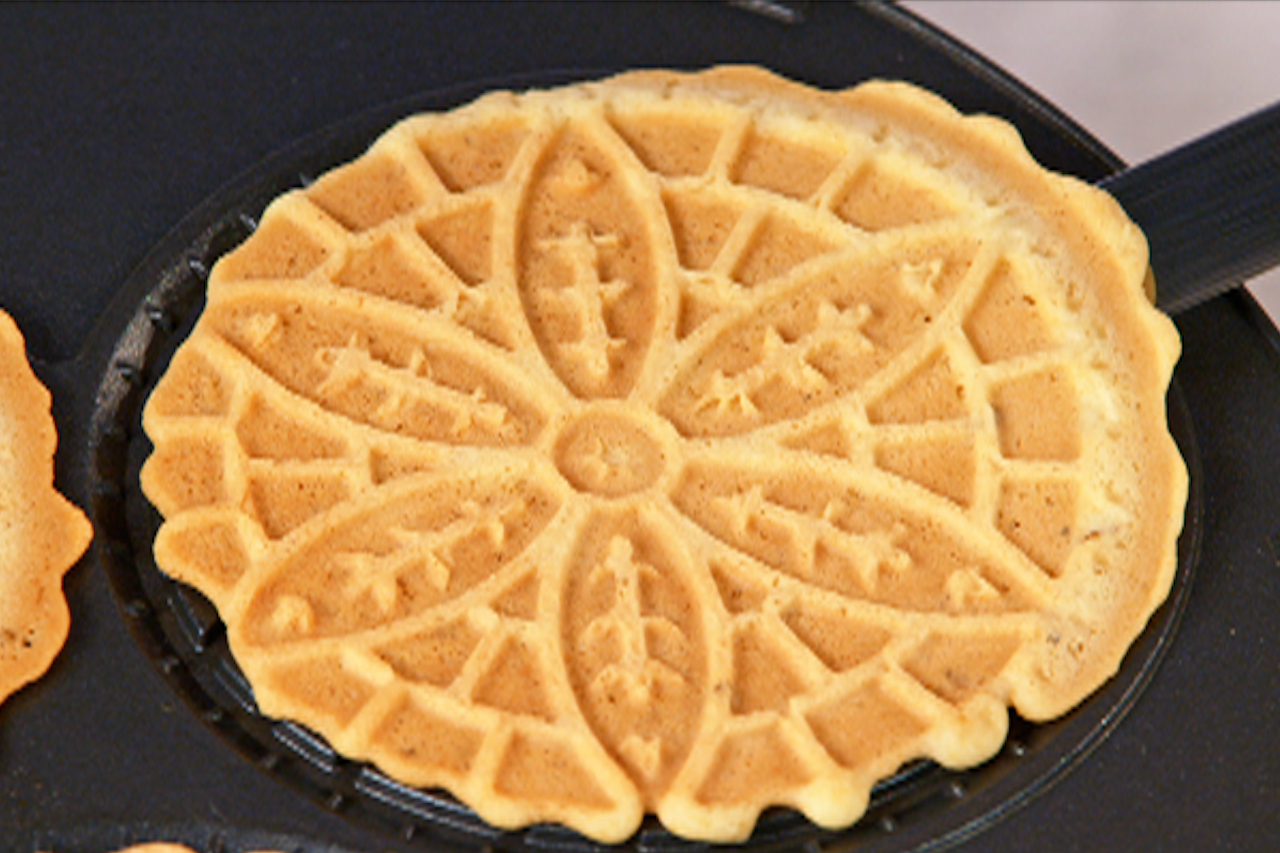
(160, 847)
(41, 534)
(157, 847)
(677, 443)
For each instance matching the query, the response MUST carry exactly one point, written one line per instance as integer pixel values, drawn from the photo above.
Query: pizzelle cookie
(163, 847)
(683, 444)
(43, 534)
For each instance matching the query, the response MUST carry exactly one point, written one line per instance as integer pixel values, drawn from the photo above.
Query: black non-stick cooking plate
(144, 729)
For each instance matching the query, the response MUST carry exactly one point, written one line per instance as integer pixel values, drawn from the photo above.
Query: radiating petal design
(352, 361)
(681, 444)
(851, 535)
(635, 640)
(816, 339)
(406, 549)
(585, 266)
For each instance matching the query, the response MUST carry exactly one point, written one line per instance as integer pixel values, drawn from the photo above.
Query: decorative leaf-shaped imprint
(585, 268)
(635, 648)
(677, 444)
(376, 369)
(809, 342)
(420, 544)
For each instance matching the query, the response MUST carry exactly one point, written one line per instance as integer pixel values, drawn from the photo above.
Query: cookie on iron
(43, 534)
(161, 847)
(683, 444)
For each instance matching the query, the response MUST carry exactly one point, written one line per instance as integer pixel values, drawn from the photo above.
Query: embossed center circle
(609, 453)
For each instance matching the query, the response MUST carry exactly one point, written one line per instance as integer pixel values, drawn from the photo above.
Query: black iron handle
(1210, 209)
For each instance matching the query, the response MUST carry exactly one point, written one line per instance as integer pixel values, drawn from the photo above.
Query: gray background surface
(1142, 75)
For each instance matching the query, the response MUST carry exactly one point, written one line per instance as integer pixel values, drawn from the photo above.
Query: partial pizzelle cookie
(161, 847)
(42, 533)
(679, 443)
